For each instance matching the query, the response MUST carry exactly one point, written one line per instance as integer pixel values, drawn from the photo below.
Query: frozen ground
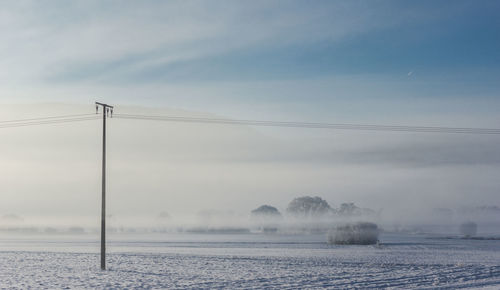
(247, 261)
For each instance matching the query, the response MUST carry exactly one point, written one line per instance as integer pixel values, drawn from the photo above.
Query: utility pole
(106, 110)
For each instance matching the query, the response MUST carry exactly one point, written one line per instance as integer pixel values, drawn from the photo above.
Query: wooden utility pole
(106, 110)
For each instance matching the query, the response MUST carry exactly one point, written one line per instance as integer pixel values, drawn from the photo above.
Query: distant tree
(484, 209)
(442, 215)
(50, 230)
(76, 230)
(442, 212)
(265, 211)
(468, 229)
(350, 209)
(489, 209)
(12, 218)
(307, 206)
(164, 215)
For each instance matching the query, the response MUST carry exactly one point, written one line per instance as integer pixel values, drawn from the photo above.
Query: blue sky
(436, 40)
(197, 54)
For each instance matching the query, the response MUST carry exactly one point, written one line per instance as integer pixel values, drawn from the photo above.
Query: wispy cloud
(89, 40)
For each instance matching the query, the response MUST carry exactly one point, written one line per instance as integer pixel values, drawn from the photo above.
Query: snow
(247, 261)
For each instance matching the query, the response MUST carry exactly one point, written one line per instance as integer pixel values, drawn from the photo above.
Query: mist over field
(225, 171)
(186, 168)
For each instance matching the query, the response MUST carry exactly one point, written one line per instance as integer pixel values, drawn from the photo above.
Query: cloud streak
(87, 40)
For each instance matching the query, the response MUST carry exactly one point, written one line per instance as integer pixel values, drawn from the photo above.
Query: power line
(45, 118)
(309, 125)
(46, 122)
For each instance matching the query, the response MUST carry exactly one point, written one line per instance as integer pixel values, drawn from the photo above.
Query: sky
(424, 63)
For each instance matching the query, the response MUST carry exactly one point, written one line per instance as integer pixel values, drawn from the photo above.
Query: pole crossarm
(104, 105)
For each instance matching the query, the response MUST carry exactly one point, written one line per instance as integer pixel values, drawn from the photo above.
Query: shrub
(362, 233)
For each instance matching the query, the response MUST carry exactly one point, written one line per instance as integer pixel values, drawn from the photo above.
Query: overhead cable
(310, 125)
(45, 122)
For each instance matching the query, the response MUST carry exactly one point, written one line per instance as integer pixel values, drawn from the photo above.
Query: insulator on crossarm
(96, 109)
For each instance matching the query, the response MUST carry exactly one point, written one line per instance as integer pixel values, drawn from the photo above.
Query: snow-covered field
(247, 261)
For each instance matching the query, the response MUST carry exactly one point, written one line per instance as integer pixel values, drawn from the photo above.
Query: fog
(214, 175)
